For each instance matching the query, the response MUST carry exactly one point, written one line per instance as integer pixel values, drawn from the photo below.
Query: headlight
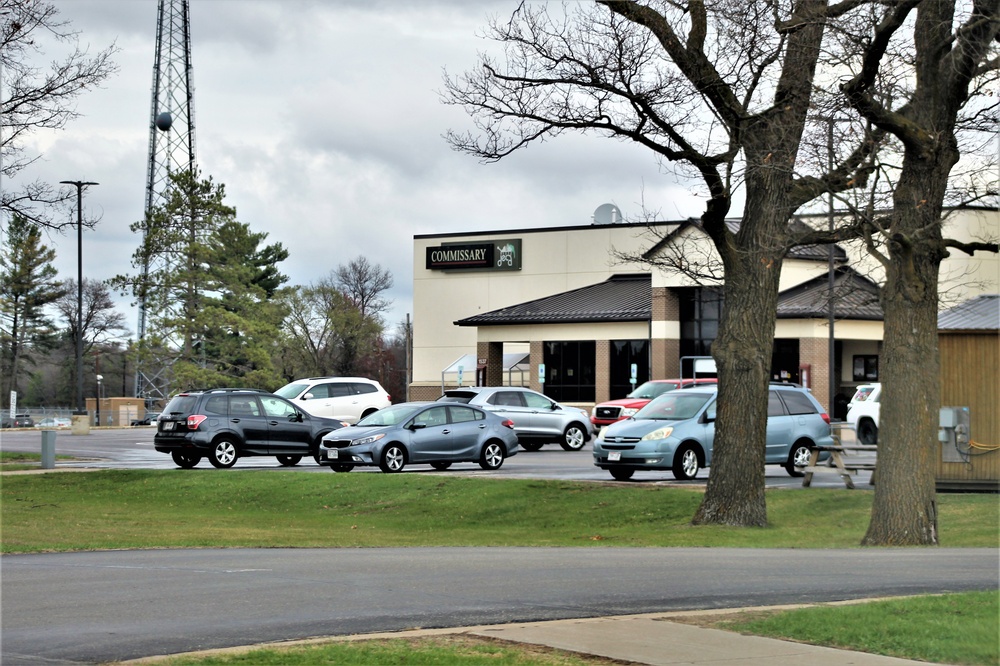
(629, 411)
(600, 435)
(368, 440)
(661, 433)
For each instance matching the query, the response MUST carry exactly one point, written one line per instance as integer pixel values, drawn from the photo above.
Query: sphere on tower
(163, 121)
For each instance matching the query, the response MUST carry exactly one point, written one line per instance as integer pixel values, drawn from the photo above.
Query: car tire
(686, 463)
(184, 459)
(342, 467)
(393, 459)
(440, 465)
(798, 457)
(531, 446)
(621, 473)
(868, 432)
(574, 438)
(289, 461)
(223, 453)
(492, 456)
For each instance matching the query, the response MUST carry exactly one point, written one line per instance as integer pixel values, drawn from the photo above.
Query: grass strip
(959, 628)
(117, 509)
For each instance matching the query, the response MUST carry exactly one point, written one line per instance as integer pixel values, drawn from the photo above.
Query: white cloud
(324, 122)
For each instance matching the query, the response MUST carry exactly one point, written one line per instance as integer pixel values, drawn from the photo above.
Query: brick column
(815, 352)
(537, 354)
(493, 353)
(602, 371)
(665, 353)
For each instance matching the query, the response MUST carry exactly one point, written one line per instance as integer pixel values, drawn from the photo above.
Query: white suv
(863, 412)
(347, 399)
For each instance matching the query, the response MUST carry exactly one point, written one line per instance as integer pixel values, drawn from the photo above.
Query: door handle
(446, 432)
(482, 426)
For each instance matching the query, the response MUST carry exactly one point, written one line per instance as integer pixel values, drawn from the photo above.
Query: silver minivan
(537, 419)
(676, 431)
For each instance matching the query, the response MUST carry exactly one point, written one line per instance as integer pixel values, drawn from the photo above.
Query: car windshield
(674, 406)
(650, 390)
(289, 391)
(391, 415)
(864, 392)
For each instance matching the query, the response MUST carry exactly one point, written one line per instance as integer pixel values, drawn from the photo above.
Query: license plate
(168, 425)
(614, 456)
(331, 454)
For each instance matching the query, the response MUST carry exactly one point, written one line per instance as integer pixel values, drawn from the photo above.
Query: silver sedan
(421, 433)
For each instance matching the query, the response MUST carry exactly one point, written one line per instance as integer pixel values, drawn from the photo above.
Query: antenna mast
(171, 150)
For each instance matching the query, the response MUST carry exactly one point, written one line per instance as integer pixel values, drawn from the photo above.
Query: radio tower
(171, 150)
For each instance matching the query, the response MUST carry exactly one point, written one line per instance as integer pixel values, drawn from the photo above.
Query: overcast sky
(323, 119)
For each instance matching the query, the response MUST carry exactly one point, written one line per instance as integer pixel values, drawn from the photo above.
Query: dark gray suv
(537, 419)
(229, 423)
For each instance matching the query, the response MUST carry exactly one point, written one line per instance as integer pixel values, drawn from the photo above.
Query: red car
(609, 412)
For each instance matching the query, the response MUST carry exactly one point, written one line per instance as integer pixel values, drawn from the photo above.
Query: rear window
(798, 403)
(364, 388)
(457, 396)
(181, 404)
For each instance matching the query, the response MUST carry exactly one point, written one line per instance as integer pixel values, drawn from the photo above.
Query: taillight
(508, 423)
(826, 417)
(195, 420)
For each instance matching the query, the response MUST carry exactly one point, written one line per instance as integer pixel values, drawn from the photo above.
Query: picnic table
(841, 459)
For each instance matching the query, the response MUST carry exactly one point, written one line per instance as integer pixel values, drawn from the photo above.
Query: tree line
(219, 310)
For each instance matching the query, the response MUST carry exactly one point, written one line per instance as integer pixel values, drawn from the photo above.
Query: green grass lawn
(194, 508)
(208, 508)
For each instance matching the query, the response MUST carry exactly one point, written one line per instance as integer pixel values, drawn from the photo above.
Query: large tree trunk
(904, 511)
(735, 491)
(752, 259)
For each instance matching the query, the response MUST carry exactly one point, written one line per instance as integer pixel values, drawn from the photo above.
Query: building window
(569, 370)
(700, 309)
(623, 354)
(866, 368)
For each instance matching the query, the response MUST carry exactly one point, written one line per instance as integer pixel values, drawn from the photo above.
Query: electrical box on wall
(955, 433)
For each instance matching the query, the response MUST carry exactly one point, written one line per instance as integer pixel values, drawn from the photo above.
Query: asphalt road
(132, 448)
(94, 607)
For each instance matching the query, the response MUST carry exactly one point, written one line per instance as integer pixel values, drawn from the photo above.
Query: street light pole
(79, 184)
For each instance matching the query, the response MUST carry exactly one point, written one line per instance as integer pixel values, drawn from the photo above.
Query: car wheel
(289, 461)
(798, 457)
(439, 465)
(223, 454)
(492, 456)
(574, 438)
(868, 432)
(621, 473)
(686, 463)
(530, 446)
(341, 467)
(185, 459)
(393, 459)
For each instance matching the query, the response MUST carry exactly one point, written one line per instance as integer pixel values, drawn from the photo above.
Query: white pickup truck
(862, 412)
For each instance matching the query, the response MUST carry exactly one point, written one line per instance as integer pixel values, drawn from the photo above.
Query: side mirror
(308, 396)
(295, 418)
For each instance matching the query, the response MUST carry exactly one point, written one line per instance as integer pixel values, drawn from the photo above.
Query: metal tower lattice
(171, 150)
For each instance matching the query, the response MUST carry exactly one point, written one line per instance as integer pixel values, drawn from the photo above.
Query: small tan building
(969, 342)
(115, 411)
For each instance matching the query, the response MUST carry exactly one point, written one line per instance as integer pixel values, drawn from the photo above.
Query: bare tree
(34, 99)
(954, 53)
(364, 283)
(102, 323)
(720, 91)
